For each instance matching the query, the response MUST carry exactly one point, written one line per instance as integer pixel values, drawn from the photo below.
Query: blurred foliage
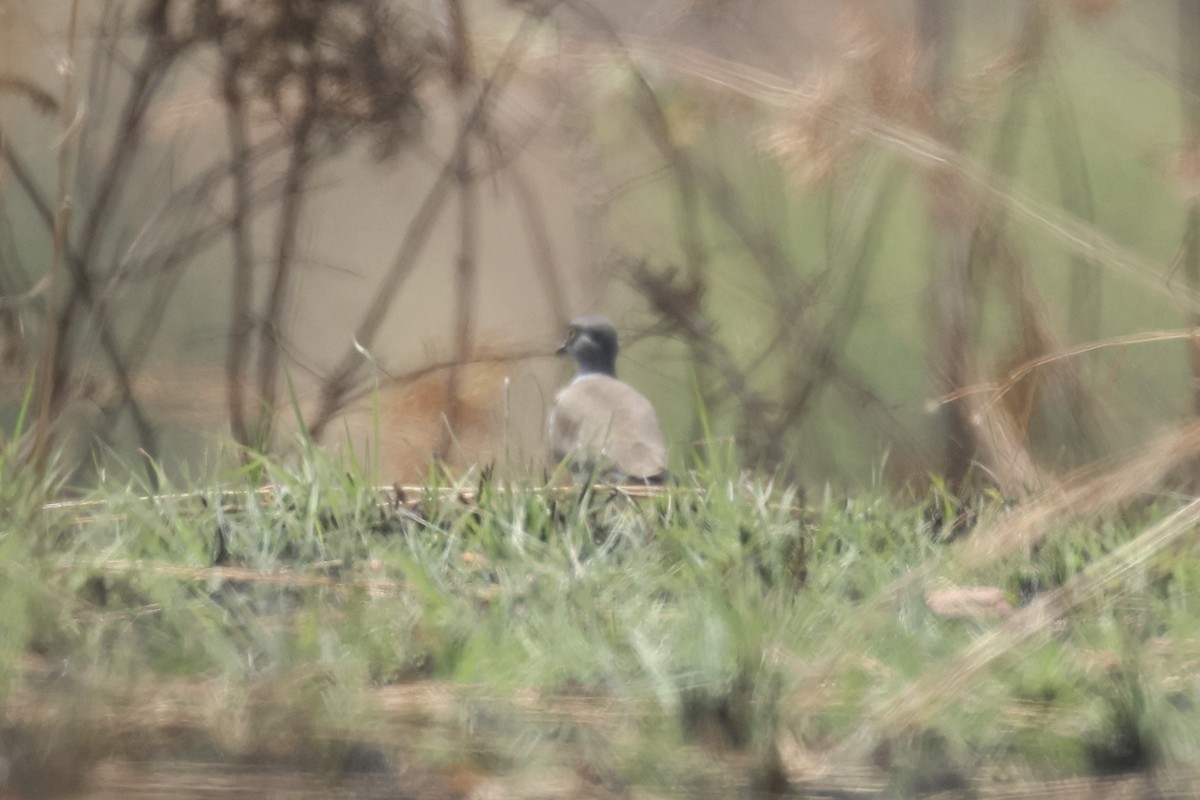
(933, 237)
(514, 631)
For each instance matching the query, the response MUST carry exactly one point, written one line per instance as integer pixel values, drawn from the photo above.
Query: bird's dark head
(592, 342)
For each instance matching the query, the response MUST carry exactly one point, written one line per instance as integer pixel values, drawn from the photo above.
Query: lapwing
(602, 427)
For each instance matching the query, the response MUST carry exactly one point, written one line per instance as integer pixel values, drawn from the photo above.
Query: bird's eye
(572, 332)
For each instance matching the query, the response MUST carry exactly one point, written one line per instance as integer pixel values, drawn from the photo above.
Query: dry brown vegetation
(888, 117)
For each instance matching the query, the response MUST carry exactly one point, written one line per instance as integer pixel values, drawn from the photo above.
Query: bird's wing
(607, 420)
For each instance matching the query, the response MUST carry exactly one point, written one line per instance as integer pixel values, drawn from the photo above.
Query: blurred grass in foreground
(719, 638)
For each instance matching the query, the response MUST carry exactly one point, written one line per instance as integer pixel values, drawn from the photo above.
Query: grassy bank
(723, 637)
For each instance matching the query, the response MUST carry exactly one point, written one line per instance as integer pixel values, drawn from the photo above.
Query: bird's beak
(562, 350)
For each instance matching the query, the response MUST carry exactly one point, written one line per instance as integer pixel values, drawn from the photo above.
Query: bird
(602, 427)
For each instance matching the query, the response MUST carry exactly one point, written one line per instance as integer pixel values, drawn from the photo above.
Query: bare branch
(38, 97)
(462, 71)
(45, 386)
(241, 299)
(300, 160)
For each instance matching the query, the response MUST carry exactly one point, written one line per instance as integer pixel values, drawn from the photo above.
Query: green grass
(704, 641)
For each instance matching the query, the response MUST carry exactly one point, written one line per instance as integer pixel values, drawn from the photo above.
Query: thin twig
(410, 497)
(1017, 373)
(271, 331)
(157, 57)
(466, 272)
(62, 220)
(107, 340)
(241, 299)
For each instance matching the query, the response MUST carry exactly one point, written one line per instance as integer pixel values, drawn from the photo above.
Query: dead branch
(241, 301)
(462, 80)
(300, 161)
(105, 335)
(44, 388)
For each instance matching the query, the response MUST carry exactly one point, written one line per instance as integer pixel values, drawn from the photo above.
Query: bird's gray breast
(598, 420)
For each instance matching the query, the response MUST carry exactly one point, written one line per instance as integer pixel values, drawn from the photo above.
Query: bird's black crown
(592, 342)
